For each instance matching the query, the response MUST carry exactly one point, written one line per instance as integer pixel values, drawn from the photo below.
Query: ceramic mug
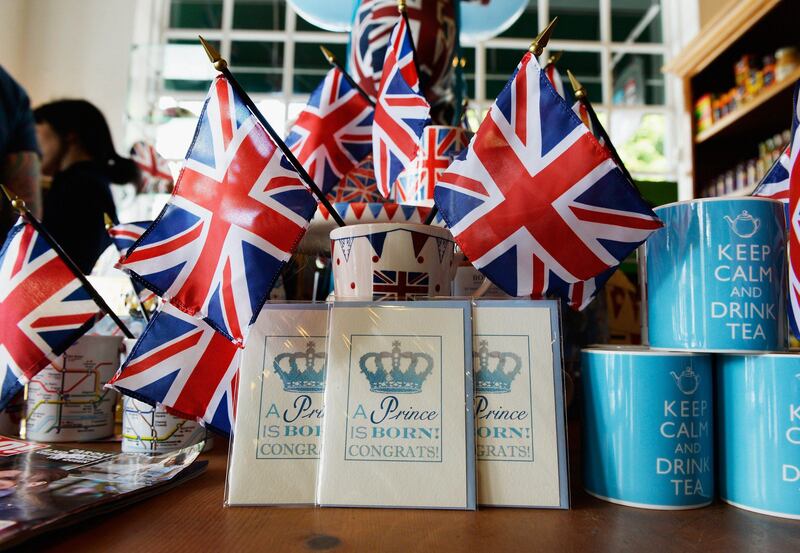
(648, 424)
(758, 409)
(148, 429)
(67, 401)
(391, 261)
(716, 276)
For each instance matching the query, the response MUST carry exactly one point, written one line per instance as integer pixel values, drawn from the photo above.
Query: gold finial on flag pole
(16, 202)
(577, 87)
(329, 57)
(539, 43)
(554, 57)
(401, 6)
(213, 55)
(107, 221)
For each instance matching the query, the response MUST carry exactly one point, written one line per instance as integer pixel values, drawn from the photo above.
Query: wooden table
(191, 518)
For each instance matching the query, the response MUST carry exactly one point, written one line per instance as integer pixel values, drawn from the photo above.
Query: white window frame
(158, 14)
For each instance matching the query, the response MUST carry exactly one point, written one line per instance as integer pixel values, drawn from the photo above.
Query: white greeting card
(276, 443)
(399, 427)
(519, 407)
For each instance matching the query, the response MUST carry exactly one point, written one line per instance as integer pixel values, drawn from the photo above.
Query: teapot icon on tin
(687, 382)
(744, 225)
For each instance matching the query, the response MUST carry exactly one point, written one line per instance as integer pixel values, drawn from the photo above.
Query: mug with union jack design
(392, 261)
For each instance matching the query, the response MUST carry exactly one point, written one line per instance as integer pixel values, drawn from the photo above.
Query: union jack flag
(555, 79)
(183, 364)
(794, 215)
(535, 203)
(775, 183)
(124, 236)
(433, 27)
(439, 146)
(44, 308)
(358, 185)
(400, 114)
(399, 285)
(334, 132)
(154, 173)
(236, 215)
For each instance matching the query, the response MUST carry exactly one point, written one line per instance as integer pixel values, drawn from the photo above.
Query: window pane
(576, 20)
(186, 66)
(195, 14)
(468, 68)
(639, 139)
(310, 66)
(260, 15)
(258, 65)
(638, 79)
(636, 21)
(586, 68)
(527, 26)
(500, 64)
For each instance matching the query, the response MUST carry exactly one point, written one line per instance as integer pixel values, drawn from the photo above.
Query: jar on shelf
(786, 61)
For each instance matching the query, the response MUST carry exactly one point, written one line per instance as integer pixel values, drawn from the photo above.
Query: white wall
(71, 49)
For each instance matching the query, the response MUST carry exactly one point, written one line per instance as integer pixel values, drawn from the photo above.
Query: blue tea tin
(758, 414)
(716, 276)
(648, 427)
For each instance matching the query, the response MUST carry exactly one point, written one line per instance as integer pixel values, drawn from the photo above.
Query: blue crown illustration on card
(301, 371)
(495, 370)
(396, 371)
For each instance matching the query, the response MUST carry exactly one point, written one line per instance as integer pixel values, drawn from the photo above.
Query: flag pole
(582, 97)
(19, 204)
(333, 62)
(401, 7)
(109, 223)
(222, 66)
(536, 48)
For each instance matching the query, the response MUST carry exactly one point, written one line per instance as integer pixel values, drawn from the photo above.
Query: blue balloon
(478, 21)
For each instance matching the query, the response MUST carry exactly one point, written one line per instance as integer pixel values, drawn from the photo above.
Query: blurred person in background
(78, 153)
(19, 154)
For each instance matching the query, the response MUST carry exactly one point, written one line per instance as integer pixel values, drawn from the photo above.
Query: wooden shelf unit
(707, 66)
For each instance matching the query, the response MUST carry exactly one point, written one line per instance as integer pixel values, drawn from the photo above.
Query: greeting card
(399, 426)
(276, 443)
(519, 407)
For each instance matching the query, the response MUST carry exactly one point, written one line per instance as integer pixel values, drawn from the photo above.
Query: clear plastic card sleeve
(276, 442)
(398, 430)
(519, 404)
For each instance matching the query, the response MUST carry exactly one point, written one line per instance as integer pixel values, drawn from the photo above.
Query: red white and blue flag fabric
(401, 112)
(433, 26)
(44, 308)
(794, 215)
(154, 173)
(183, 364)
(555, 79)
(440, 145)
(236, 216)
(334, 131)
(775, 183)
(534, 202)
(124, 236)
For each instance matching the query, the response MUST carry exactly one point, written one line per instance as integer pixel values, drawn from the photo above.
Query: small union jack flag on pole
(154, 173)
(183, 364)
(44, 308)
(334, 131)
(775, 183)
(401, 113)
(439, 146)
(124, 236)
(236, 216)
(794, 213)
(535, 203)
